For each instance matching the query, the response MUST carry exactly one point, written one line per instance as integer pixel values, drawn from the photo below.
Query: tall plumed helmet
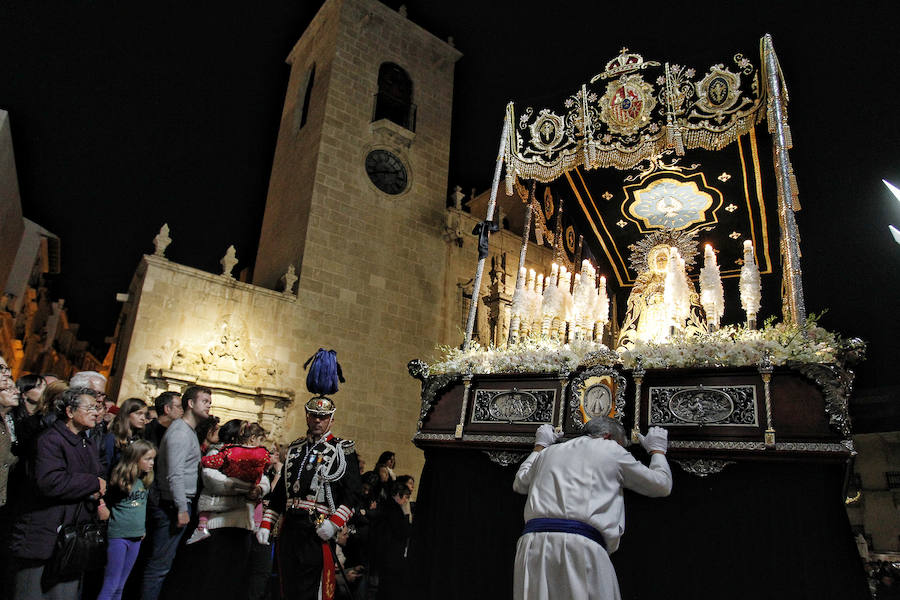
(324, 372)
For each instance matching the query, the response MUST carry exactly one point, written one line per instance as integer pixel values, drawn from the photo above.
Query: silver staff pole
(789, 236)
(476, 290)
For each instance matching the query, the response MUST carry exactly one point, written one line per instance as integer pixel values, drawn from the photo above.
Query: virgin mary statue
(651, 315)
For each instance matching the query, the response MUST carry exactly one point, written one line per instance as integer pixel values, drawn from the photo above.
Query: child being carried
(245, 459)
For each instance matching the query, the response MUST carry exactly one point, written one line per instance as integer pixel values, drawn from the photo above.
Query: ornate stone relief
(244, 384)
(227, 357)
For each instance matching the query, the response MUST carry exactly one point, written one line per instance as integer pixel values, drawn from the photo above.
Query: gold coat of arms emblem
(627, 104)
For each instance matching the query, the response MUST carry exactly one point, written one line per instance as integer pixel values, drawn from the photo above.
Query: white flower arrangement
(527, 356)
(730, 346)
(734, 346)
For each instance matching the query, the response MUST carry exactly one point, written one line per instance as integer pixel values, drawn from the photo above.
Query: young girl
(242, 457)
(127, 502)
(126, 427)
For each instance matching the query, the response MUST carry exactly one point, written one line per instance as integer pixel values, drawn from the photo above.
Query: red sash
(328, 577)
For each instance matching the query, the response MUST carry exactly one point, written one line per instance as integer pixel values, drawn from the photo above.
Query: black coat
(391, 533)
(66, 470)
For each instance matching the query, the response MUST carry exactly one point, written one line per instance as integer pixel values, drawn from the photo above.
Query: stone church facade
(357, 207)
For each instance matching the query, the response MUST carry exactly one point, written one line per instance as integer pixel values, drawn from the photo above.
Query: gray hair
(71, 398)
(599, 427)
(83, 379)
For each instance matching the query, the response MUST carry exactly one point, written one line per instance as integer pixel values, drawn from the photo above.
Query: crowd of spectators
(181, 493)
(884, 579)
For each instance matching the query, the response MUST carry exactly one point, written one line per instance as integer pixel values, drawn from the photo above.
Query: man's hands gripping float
(545, 436)
(656, 440)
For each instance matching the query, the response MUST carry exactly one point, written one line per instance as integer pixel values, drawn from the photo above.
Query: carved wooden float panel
(712, 414)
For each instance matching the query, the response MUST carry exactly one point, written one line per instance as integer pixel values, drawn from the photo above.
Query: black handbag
(79, 547)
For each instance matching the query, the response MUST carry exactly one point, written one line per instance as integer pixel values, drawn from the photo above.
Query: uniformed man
(575, 513)
(317, 493)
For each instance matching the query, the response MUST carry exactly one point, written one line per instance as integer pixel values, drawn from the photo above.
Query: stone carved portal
(244, 384)
(228, 357)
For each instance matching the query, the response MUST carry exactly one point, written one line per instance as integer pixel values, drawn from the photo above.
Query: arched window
(394, 98)
(304, 92)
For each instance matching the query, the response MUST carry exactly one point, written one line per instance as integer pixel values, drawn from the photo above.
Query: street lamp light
(896, 193)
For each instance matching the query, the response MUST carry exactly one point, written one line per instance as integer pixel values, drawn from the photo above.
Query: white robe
(581, 480)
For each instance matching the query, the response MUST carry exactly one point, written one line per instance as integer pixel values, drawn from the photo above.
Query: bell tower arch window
(394, 98)
(304, 93)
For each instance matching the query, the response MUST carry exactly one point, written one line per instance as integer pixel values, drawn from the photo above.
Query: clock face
(386, 171)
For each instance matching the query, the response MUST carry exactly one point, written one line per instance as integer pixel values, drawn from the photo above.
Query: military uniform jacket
(319, 480)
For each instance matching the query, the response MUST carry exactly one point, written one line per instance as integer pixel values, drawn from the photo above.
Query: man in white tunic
(575, 513)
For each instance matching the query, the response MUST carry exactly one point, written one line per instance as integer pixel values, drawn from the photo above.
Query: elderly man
(91, 380)
(317, 492)
(575, 513)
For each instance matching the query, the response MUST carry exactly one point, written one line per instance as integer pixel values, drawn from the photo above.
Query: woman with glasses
(67, 489)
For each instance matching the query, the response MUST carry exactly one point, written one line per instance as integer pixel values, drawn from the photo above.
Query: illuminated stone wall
(181, 326)
(876, 512)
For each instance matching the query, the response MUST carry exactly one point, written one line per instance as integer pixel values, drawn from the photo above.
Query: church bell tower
(363, 142)
(356, 205)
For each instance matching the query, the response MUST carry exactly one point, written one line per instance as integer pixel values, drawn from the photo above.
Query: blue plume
(324, 372)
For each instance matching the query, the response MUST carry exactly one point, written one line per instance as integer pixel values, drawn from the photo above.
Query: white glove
(326, 530)
(657, 438)
(546, 436)
(262, 536)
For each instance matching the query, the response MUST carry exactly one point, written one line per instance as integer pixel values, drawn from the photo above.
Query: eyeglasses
(89, 408)
(5, 370)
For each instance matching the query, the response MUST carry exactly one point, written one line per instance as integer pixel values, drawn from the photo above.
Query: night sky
(127, 116)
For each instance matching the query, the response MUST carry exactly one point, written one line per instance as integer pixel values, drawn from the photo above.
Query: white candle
(709, 257)
(712, 296)
(750, 285)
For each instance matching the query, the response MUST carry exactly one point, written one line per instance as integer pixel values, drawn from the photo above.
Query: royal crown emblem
(625, 62)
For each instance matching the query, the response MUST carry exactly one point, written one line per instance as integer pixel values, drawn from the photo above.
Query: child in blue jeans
(127, 501)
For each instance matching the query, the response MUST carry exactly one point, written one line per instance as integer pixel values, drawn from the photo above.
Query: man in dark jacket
(66, 490)
(168, 409)
(391, 538)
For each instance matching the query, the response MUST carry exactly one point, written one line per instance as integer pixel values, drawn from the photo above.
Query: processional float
(752, 400)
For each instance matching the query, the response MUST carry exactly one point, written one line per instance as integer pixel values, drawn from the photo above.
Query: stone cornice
(150, 260)
(276, 395)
